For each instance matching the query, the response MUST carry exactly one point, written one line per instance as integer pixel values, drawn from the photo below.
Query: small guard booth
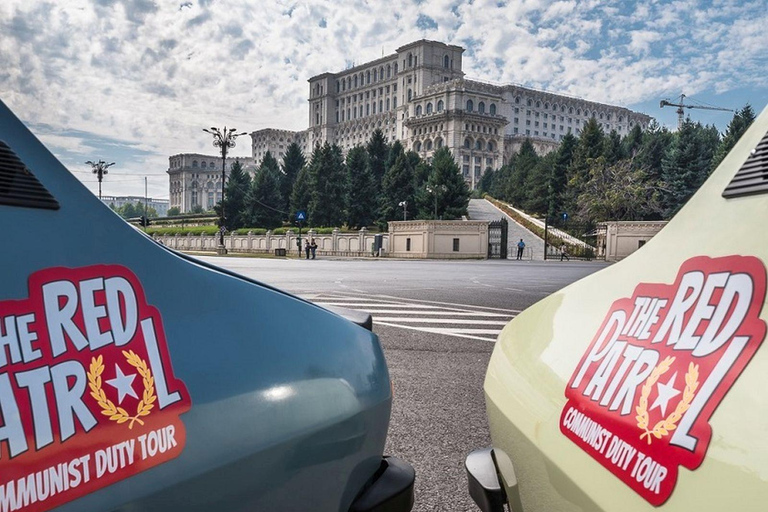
(438, 239)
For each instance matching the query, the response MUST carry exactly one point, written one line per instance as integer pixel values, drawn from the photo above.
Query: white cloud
(152, 74)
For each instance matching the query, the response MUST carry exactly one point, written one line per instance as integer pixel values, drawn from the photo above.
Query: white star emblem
(666, 393)
(122, 383)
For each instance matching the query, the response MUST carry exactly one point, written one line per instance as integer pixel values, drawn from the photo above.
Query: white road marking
(430, 313)
(439, 320)
(442, 318)
(422, 329)
(388, 305)
(385, 298)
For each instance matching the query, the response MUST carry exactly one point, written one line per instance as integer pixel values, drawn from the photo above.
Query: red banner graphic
(87, 392)
(640, 400)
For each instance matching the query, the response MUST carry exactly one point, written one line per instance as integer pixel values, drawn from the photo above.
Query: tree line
(131, 210)
(373, 184)
(646, 175)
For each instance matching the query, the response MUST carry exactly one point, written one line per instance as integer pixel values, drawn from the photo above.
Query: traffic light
(145, 221)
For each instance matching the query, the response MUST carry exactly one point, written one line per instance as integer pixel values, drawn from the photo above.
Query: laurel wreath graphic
(108, 408)
(663, 427)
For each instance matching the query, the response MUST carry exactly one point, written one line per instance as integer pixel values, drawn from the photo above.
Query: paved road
(437, 322)
(480, 209)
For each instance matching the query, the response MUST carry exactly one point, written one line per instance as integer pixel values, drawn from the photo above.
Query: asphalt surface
(437, 322)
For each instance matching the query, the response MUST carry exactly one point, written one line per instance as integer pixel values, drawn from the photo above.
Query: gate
(497, 239)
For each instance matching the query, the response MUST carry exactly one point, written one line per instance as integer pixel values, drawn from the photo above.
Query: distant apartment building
(160, 205)
(419, 96)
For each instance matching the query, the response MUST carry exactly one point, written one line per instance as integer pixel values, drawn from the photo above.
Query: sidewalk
(480, 209)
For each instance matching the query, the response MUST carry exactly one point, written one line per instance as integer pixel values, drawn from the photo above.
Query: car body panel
(538, 352)
(289, 402)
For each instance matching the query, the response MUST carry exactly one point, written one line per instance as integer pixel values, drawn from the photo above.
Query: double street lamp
(434, 191)
(404, 205)
(223, 139)
(100, 169)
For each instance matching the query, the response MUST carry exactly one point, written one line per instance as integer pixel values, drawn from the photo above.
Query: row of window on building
(195, 164)
(546, 135)
(370, 109)
(563, 108)
(365, 78)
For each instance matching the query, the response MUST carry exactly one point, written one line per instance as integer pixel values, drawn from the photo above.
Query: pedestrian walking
(564, 253)
(313, 246)
(520, 247)
(306, 248)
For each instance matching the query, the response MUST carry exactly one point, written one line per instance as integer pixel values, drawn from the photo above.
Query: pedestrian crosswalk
(449, 319)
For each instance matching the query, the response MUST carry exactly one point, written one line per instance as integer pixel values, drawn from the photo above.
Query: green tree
(445, 194)
(263, 203)
(686, 164)
(173, 211)
(236, 189)
(589, 148)
(654, 146)
(301, 194)
(736, 128)
(395, 150)
(361, 198)
(612, 149)
(487, 181)
(378, 152)
(559, 177)
(128, 211)
(293, 162)
(270, 162)
(421, 172)
(538, 183)
(631, 143)
(149, 210)
(397, 186)
(329, 186)
(522, 164)
(499, 183)
(619, 191)
(197, 209)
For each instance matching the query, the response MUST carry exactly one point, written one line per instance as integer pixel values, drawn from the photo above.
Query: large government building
(419, 96)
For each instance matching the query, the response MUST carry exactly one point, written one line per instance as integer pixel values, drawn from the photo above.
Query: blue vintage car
(133, 378)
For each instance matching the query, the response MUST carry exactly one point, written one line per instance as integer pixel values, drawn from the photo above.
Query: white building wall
(195, 179)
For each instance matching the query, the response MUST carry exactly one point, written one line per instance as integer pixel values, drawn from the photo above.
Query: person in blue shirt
(520, 247)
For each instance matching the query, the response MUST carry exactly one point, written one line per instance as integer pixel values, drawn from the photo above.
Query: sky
(135, 81)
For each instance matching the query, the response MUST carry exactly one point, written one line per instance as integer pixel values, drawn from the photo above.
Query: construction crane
(680, 106)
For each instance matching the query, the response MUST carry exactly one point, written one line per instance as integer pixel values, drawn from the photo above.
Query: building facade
(195, 179)
(419, 96)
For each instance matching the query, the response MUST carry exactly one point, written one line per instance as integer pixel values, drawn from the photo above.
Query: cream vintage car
(644, 385)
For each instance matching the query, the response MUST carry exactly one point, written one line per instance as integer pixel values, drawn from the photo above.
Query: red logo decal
(640, 400)
(87, 393)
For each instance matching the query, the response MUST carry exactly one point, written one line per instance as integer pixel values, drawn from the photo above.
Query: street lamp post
(434, 191)
(404, 205)
(223, 139)
(100, 169)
